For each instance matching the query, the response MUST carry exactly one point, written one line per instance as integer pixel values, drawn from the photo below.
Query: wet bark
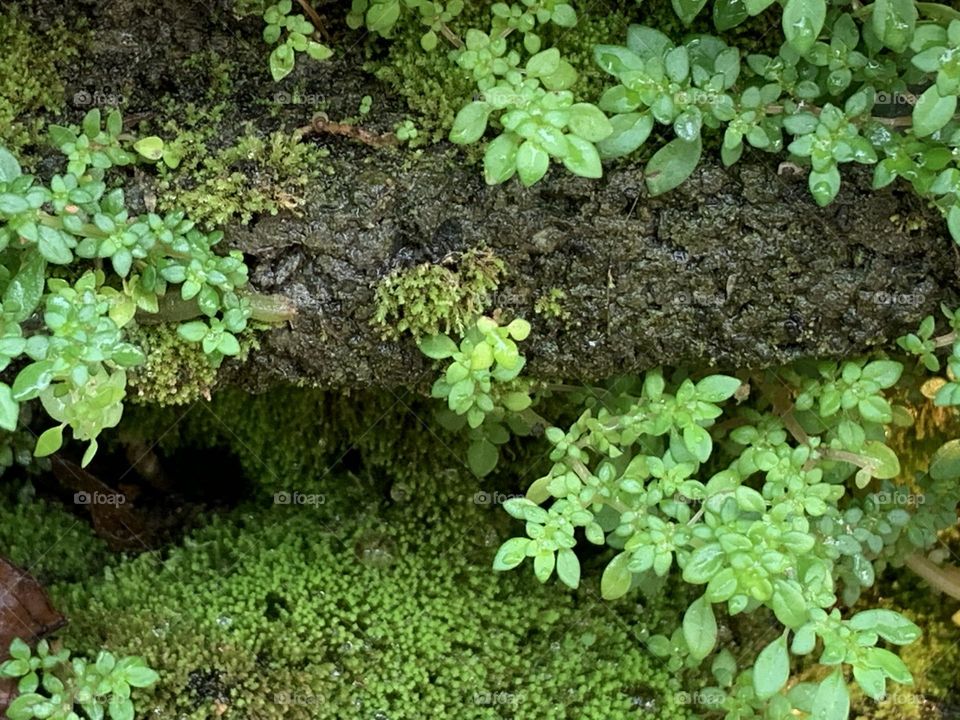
(736, 268)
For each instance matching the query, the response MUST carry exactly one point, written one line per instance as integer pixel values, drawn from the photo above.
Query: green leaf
(532, 163)
(953, 223)
(832, 700)
(885, 373)
(482, 457)
(698, 441)
(25, 290)
(511, 554)
(583, 158)
(49, 442)
(788, 604)
(193, 331)
(544, 63)
(687, 10)
(617, 578)
(704, 563)
(9, 409)
(671, 165)
(382, 16)
(437, 347)
(281, 62)
(140, 676)
(825, 185)
(568, 568)
(630, 131)
(121, 708)
(717, 388)
(802, 22)
(700, 628)
(9, 167)
(150, 147)
(888, 624)
(646, 42)
(589, 122)
(32, 380)
(19, 650)
(932, 112)
(945, 463)
(887, 465)
(470, 123)
(728, 14)
(500, 159)
(772, 668)
(894, 22)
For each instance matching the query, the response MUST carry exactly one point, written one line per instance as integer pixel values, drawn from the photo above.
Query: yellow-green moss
(432, 298)
(293, 612)
(255, 174)
(176, 372)
(551, 304)
(29, 80)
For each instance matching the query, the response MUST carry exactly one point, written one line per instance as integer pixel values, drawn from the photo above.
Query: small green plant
(481, 386)
(925, 346)
(77, 357)
(53, 686)
(295, 34)
(783, 501)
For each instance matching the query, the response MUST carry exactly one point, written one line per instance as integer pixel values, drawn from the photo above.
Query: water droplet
(224, 621)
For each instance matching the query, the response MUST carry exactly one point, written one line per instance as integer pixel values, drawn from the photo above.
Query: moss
(29, 82)
(255, 174)
(292, 612)
(291, 438)
(176, 372)
(53, 544)
(432, 298)
(551, 304)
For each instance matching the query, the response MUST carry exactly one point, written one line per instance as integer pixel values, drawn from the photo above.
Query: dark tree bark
(738, 267)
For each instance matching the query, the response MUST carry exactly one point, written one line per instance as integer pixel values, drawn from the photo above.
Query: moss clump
(551, 304)
(293, 612)
(29, 83)
(176, 371)
(54, 545)
(432, 298)
(253, 175)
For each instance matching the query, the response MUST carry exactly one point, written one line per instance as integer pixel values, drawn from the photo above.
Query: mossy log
(737, 268)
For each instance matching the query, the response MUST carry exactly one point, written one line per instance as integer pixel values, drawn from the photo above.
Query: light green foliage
(829, 95)
(53, 685)
(924, 345)
(784, 504)
(217, 184)
(406, 131)
(294, 33)
(432, 298)
(293, 613)
(29, 81)
(79, 355)
(381, 16)
(481, 387)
